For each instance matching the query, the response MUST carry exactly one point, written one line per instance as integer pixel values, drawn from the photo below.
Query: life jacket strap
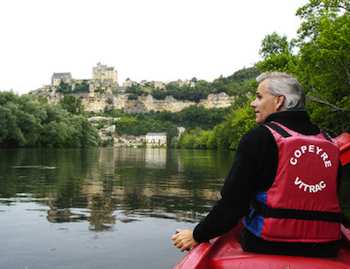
(278, 129)
(285, 134)
(327, 136)
(284, 213)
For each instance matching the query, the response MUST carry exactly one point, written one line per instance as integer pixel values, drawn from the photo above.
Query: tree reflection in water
(122, 197)
(107, 185)
(91, 185)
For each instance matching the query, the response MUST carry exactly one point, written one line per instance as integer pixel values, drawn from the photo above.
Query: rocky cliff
(143, 104)
(148, 103)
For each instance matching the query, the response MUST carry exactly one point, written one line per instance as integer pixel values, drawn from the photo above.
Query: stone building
(128, 83)
(57, 78)
(104, 73)
(158, 85)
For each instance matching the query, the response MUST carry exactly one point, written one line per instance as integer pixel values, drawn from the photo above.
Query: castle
(102, 92)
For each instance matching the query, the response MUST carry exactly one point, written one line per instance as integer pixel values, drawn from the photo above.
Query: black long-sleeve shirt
(253, 170)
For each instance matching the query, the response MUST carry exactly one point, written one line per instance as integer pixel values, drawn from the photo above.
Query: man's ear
(279, 102)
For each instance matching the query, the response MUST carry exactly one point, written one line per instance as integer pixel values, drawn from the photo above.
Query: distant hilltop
(102, 92)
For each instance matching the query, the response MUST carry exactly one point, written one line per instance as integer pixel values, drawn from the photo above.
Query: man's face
(265, 103)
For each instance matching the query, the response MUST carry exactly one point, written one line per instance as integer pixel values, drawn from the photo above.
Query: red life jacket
(302, 204)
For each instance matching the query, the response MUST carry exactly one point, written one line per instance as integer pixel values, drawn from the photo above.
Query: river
(104, 207)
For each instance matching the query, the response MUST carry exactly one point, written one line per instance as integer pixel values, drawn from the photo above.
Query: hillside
(103, 95)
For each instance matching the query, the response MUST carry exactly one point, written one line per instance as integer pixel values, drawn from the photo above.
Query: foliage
(142, 124)
(223, 130)
(206, 128)
(239, 84)
(240, 122)
(184, 92)
(114, 113)
(72, 104)
(81, 87)
(225, 135)
(194, 116)
(277, 54)
(135, 90)
(314, 10)
(132, 96)
(322, 61)
(274, 44)
(64, 87)
(29, 122)
(195, 139)
(325, 70)
(195, 90)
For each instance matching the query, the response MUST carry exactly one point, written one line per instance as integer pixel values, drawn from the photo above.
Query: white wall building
(180, 131)
(156, 139)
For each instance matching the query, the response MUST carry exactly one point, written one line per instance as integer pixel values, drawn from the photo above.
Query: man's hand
(183, 239)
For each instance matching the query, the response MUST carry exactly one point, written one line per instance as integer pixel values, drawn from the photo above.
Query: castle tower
(104, 73)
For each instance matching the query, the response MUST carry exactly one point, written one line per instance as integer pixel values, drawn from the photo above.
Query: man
(283, 181)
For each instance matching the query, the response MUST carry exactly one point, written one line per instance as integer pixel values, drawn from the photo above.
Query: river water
(102, 208)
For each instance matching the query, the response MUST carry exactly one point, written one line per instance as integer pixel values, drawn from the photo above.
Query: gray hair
(279, 83)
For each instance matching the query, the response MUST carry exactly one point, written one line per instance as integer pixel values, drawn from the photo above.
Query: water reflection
(104, 203)
(155, 158)
(92, 185)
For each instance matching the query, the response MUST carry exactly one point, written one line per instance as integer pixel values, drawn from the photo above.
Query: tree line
(189, 118)
(195, 90)
(319, 58)
(30, 121)
(26, 121)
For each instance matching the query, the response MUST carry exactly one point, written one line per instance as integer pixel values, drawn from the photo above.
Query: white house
(156, 139)
(180, 131)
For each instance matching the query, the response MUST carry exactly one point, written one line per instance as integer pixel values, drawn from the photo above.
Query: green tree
(274, 44)
(82, 87)
(28, 122)
(313, 11)
(277, 54)
(324, 67)
(322, 62)
(72, 104)
(135, 89)
(64, 87)
(240, 121)
(10, 133)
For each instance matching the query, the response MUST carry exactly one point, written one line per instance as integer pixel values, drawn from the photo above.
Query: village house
(156, 139)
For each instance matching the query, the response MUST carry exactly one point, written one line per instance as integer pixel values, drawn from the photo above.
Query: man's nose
(252, 104)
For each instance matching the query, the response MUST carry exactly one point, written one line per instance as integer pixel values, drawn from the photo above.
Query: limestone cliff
(148, 103)
(93, 102)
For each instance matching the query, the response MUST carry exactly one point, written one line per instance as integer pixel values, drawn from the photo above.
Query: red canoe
(225, 252)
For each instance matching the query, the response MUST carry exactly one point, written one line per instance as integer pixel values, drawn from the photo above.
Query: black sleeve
(253, 169)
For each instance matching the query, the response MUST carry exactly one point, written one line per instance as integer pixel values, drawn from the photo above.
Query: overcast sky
(143, 39)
